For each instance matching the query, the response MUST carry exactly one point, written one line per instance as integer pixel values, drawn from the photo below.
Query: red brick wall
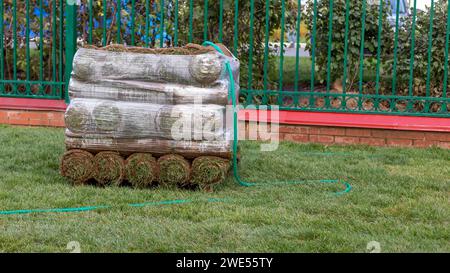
(300, 133)
(32, 117)
(344, 136)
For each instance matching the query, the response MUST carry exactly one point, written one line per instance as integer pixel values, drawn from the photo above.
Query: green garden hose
(232, 96)
(92, 208)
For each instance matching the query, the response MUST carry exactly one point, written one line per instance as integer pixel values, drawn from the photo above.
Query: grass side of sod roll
(400, 199)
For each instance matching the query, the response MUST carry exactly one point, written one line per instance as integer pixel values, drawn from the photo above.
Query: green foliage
(402, 72)
(133, 23)
(18, 31)
(243, 30)
(421, 51)
(354, 37)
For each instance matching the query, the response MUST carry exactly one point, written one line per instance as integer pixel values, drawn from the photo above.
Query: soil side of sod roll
(208, 171)
(174, 170)
(109, 168)
(141, 170)
(77, 166)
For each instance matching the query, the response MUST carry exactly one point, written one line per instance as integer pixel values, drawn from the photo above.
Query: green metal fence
(32, 46)
(360, 56)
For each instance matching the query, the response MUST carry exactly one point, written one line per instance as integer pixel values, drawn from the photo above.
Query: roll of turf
(174, 170)
(141, 170)
(77, 166)
(109, 168)
(208, 171)
(198, 68)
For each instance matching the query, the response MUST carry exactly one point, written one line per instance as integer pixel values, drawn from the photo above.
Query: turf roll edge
(208, 171)
(174, 170)
(141, 170)
(77, 166)
(109, 168)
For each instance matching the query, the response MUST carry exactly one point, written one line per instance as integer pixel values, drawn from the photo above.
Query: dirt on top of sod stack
(189, 49)
(174, 170)
(109, 168)
(141, 170)
(77, 166)
(209, 170)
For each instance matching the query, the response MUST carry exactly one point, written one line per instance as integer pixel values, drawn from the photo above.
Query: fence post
(71, 41)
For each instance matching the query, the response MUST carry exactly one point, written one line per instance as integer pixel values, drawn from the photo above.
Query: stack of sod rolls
(149, 117)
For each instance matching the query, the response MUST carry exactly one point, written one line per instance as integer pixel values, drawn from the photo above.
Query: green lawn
(400, 198)
(304, 74)
(289, 64)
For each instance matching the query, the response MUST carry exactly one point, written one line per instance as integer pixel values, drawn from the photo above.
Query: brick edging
(347, 136)
(296, 133)
(32, 117)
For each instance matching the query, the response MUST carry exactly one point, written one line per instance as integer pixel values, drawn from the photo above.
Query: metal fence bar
(361, 53)
(176, 23)
(347, 26)
(313, 53)
(297, 48)
(221, 21)
(61, 47)
(105, 23)
(41, 46)
(413, 44)
(71, 42)
(133, 23)
(446, 55)
(330, 45)
(281, 69)
(54, 71)
(380, 32)
(205, 21)
(266, 50)
(250, 50)
(91, 22)
(161, 24)
(2, 56)
(394, 69)
(119, 22)
(27, 46)
(236, 27)
(14, 31)
(430, 53)
(147, 23)
(191, 20)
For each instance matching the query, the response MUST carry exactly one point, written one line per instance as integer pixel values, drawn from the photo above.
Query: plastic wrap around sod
(149, 117)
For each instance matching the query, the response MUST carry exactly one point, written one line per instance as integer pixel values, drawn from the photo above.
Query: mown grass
(289, 70)
(304, 72)
(400, 198)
